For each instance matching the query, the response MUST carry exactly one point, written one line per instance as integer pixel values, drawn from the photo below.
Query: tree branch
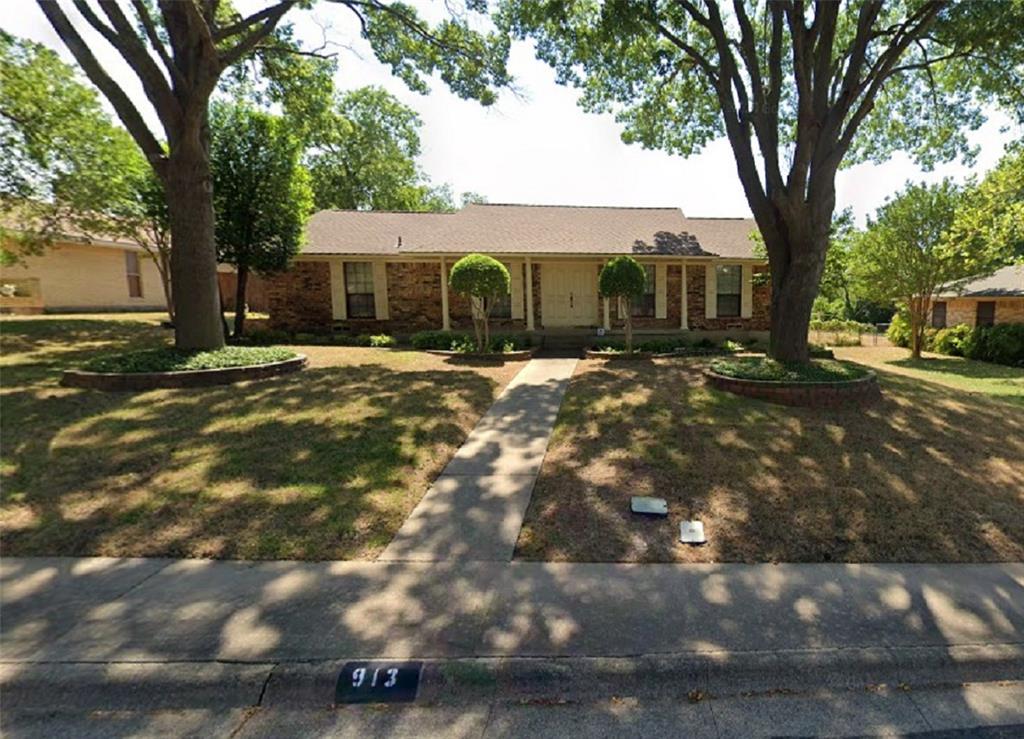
(154, 39)
(135, 53)
(123, 106)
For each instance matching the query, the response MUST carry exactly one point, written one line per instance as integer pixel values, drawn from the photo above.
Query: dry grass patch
(930, 474)
(323, 464)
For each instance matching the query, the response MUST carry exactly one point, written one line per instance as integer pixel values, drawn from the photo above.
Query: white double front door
(568, 294)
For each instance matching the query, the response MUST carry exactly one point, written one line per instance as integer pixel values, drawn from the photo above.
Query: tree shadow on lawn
(927, 474)
(960, 367)
(324, 464)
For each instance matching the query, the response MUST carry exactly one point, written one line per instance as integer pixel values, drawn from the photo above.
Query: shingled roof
(529, 229)
(1007, 282)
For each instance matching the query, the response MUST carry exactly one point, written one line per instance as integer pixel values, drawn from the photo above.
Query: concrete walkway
(475, 509)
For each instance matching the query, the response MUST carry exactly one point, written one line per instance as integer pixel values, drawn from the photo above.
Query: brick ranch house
(997, 298)
(367, 272)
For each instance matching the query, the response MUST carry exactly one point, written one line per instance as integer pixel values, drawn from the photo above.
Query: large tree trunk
(243, 280)
(197, 314)
(796, 267)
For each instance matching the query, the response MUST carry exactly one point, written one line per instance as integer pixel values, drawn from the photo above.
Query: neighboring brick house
(365, 271)
(997, 298)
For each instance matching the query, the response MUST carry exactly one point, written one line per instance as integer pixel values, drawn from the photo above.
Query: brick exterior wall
(761, 295)
(300, 300)
(965, 310)
(414, 296)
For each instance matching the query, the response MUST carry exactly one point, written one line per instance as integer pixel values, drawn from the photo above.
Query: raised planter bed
(509, 356)
(831, 394)
(135, 381)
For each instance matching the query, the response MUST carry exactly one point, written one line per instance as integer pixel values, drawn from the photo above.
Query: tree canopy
(262, 195)
(179, 51)
(798, 89)
(64, 163)
(363, 156)
(908, 251)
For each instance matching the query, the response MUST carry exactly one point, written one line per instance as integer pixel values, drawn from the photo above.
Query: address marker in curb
(378, 682)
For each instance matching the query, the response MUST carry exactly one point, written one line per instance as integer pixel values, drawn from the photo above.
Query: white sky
(540, 147)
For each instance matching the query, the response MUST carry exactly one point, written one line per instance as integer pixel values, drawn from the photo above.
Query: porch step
(567, 341)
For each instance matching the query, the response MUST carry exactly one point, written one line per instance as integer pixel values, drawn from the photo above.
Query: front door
(568, 294)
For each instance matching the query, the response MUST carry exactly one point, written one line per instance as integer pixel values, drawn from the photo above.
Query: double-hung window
(939, 314)
(643, 306)
(134, 273)
(359, 302)
(727, 278)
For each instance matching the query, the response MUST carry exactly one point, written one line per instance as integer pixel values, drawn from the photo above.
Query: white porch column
(607, 314)
(683, 318)
(445, 320)
(529, 294)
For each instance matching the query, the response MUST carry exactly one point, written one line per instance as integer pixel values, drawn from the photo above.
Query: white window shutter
(339, 308)
(710, 292)
(516, 272)
(660, 291)
(746, 292)
(380, 291)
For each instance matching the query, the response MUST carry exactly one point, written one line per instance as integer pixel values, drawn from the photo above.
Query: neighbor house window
(359, 301)
(134, 272)
(728, 280)
(643, 307)
(986, 315)
(939, 314)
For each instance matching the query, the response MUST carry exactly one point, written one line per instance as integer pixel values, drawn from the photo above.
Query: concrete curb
(152, 685)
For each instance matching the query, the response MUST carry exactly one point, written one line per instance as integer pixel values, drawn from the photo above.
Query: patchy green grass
(952, 372)
(167, 359)
(764, 369)
(931, 473)
(321, 464)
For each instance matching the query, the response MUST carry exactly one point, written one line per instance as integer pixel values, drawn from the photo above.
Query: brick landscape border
(135, 381)
(861, 391)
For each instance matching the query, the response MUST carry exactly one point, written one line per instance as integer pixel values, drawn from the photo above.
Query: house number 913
(378, 682)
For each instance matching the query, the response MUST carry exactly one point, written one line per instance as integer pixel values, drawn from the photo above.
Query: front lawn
(953, 372)
(323, 464)
(932, 473)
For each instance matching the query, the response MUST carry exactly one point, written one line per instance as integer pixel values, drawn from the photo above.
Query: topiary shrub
(623, 278)
(482, 279)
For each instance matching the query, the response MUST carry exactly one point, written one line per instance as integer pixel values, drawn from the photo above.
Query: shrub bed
(1000, 344)
(453, 341)
(769, 370)
(177, 360)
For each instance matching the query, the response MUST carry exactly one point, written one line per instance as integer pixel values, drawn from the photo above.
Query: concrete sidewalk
(67, 610)
(475, 508)
(188, 647)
